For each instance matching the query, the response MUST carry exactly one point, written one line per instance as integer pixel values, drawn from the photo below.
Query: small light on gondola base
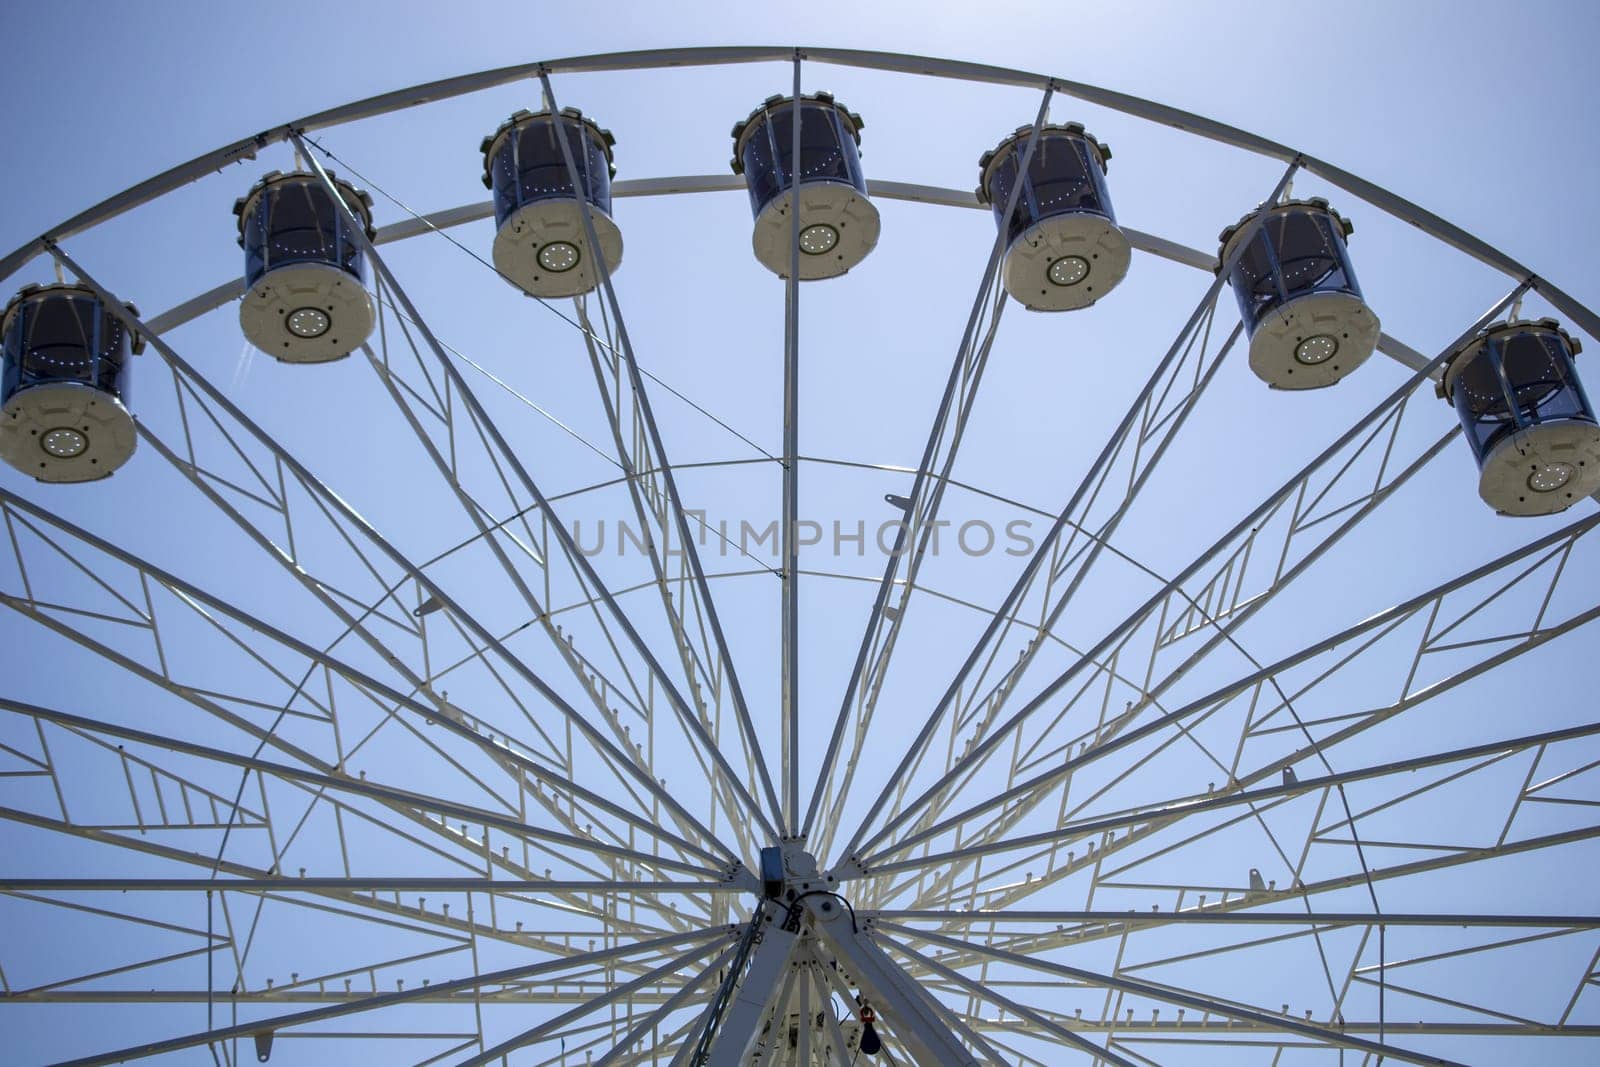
(1315, 350)
(558, 257)
(1548, 477)
(308, 322)
(1068, 270)
(63, 442)
(818, 240)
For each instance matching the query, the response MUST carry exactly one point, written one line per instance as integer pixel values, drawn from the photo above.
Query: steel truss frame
(558, 808)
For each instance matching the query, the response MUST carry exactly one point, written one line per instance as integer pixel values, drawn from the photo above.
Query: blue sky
(1415, 95)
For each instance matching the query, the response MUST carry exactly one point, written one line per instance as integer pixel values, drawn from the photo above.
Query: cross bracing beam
(1549, 547)
(652, 449)
(617, 992)
(1236, 544)
(1141, 829)
(551, 991)
(1184, 1032)
(378, 1001)
(1442, 1025)
(654, 1019)
(621, 759)
(354, 899)
(987, 992)
(419, 415)
(702, 651)
(1152, 431)
(1169, 994)
(319, 585)
(694, 728)
(1244, 903)
(428, 817)
(539, 770)
(490, 529)
(372, 883)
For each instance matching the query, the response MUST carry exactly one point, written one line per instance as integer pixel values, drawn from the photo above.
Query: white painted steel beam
(385, 103)
(916, 1020)
(771, 961)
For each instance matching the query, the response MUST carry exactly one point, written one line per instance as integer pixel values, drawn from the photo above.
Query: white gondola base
(838, 228)
(541, 248)
(307, 313)
(1543, 469)
(66, 432)
(1066, 262)
(1313, 341)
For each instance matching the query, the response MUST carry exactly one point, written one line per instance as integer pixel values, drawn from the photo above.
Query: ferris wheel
(549, 655)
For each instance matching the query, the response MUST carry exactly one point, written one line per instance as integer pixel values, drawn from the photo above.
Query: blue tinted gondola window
(1515, 381)
(1063, 177)
(827, 152)
(297, 222)
(528, 166)
(65, 337)
(1292, 254)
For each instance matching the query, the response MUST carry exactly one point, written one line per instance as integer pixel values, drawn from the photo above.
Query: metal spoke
(1077, 1041)
(921, 507)
(533, 1034)
(1147, 403)
(537, 769)
(653, 1021)
(1240, 539)
(601, 744)
(1381, 623)
(676, 700)
(386, 1000)
(1173, 995)
(686, 540)
(790, 607)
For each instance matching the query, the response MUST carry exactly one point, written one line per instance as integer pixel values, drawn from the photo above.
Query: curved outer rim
(1138, 107)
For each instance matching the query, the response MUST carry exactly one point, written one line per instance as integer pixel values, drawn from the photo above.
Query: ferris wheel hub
(787, 870)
